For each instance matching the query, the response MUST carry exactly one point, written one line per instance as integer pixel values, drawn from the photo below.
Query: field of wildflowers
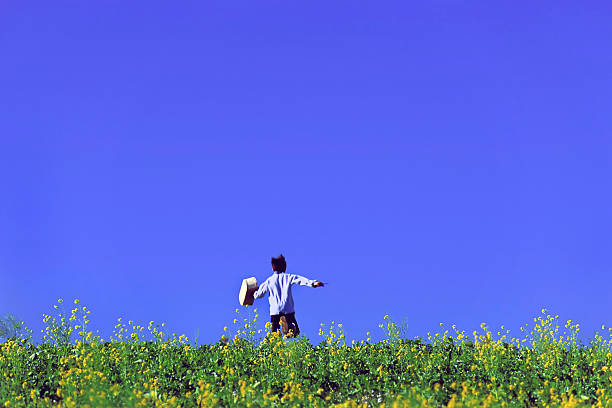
(144, 367)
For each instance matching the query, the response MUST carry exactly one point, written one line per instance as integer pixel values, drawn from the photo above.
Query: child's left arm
(262, 290)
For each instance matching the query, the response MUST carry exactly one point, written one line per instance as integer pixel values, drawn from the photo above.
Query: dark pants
(291, 322)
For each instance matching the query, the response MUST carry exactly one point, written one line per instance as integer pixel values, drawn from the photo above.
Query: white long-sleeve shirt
(279, 286)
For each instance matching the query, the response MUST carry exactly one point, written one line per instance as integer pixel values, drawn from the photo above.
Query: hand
(317, 284)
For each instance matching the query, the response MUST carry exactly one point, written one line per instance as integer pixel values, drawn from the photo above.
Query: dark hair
(279, 264)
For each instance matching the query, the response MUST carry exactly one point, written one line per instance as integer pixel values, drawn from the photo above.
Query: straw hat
(248, 288)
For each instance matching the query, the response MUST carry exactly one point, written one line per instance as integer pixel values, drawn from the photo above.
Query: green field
(144, 367)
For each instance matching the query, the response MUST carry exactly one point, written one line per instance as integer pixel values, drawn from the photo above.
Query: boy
(281, 300)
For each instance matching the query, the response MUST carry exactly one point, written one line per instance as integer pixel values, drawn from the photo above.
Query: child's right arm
(300, 280)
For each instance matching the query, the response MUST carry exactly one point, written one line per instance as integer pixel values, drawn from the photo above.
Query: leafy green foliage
(145, 367)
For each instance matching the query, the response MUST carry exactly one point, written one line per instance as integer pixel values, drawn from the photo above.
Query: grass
(144, 367)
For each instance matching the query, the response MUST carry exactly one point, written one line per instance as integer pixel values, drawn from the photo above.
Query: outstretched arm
(300, 280)
(262, 290)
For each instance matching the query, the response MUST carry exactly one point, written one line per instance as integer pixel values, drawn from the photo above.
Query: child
(281, 300)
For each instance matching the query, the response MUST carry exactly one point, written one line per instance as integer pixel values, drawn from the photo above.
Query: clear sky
(436, 161)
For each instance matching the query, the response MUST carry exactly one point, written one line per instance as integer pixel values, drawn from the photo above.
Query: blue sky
(434, 161)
